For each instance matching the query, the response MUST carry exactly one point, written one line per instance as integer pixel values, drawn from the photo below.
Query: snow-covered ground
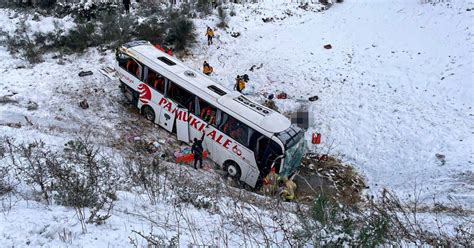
(395, 89)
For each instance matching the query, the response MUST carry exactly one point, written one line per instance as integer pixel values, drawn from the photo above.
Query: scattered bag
(282, 95)
(316, 138)
(85, 73)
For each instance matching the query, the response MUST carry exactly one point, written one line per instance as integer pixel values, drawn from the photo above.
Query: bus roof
(267, 119)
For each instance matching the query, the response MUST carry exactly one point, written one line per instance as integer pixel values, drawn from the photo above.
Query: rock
(85, 73)
(32, 106)
(441, 158)
(267, 19)
(328, 46)
(84, 104)
(313, 98)
(235, 34)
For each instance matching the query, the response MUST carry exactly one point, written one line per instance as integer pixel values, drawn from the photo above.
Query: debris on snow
(282, 95)
(85, 73)
(32, 106)
(441, 158)
(256, 67)
(84, 104)
(267, 19)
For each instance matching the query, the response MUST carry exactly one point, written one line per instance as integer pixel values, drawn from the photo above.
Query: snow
(395, 89)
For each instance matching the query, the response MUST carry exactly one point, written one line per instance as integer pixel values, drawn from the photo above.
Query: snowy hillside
(395, 95)
(395, 90)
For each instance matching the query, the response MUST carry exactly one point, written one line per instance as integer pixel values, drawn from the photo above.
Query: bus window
(181, 96)
(156, 81)
(270, 153)
(235, 129)
(207, 112)
(132, 67)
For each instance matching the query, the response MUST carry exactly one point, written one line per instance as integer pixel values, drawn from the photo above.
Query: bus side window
(271, 151)
(156, 81)
(235, 129)
(184, 98)
(122, 60)
(207, 112)
(132, 67)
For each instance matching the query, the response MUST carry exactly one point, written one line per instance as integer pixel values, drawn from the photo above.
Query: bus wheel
(149, 113)
(233, 170)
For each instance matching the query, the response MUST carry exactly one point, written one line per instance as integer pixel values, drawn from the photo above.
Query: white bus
(243, 137)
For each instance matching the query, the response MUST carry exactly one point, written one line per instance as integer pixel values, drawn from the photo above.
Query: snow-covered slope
(395, 90)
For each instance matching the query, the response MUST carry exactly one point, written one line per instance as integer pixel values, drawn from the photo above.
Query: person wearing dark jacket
(126, 4)
(198, 150)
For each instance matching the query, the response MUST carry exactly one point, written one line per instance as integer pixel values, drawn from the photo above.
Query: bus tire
(232, 169)
(148, 112)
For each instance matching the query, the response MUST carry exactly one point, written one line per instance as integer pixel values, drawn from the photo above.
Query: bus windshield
(293, 139)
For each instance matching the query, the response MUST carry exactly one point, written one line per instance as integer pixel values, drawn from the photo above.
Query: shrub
(232, 12)
(180, 31)
(203, 7)
(5, 185)
(80, 38)
(150, 29)
(78, 177)
(32, 162)
(46, 3)
(221, 12)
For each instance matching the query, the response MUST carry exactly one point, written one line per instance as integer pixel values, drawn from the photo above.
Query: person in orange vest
(207, 69)
(270, 183)
(288, 191)
(239, 84)
(210, 35)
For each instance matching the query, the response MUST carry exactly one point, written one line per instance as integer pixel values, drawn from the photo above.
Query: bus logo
(145, 93)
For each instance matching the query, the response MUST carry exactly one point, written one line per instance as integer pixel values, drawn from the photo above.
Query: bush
(5, 185)
(108, 29)
(78, 177)
(180, 31)
(21, 42)
(232, 12)
(203, 7)
(221, 12)
(150, 29)
(80, 38)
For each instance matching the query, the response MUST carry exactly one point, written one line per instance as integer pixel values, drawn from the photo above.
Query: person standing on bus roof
(210, 35)
(206, 68)
(198, 150)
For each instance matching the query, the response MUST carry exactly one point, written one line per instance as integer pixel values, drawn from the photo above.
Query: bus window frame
(198, 111)
(168, 84)
(140, 65)
(146, 71)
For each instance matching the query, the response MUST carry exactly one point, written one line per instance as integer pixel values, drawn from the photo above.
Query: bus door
(182, 124)
(167, 116)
